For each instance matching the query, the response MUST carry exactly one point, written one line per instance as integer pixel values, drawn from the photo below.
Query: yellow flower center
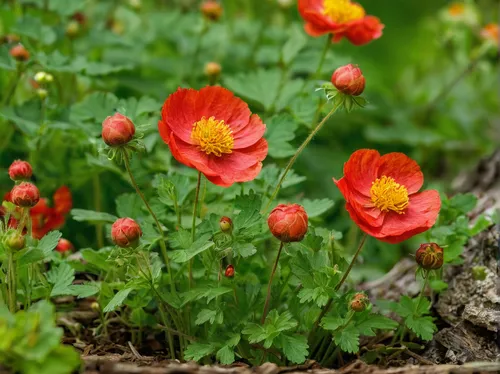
(388, 195)
(341, 11)
(213, 136)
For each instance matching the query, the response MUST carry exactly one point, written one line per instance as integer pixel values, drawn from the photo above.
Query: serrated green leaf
(85, 290)
(43, 249)
(294, 347)
(196, 351)
(438, 285)
(332, 323)
(373, 322)
(225, 355)
(117, 300)
(464, 203)
(423, 327)
(280, 131)
(347, 339)
(61, 278)
(294, 45)
(315, 208)
(206, 315)
(244, 249)
(129, 205)
(205, 292)
(83, 215)
(199, 246)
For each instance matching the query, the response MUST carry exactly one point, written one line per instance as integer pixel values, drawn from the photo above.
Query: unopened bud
(212, 69)
(25, 195)
(42, 93)
(226, 224)
(211, 9)
(349, 80)
(359, 302)
(95, 306)
(229, 273)
(20, 170)
(15, 241)
(125, 232)
(19, 53)
(73, 28)
(64, 246)
(117, 130)
(429, 256)
(288, 222)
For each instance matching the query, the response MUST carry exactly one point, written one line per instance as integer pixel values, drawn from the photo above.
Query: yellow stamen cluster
(387, 195)
(341, 11)
(213, 136)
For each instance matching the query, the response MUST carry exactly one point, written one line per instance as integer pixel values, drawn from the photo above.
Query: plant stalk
(193, 226)
(268, 297)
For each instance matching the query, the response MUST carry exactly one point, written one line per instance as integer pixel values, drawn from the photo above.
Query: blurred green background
(130, 55)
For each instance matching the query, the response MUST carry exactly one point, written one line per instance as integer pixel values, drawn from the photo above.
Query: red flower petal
(403, 169)
(361, 170)
(364, 31)
(63, 201)
(250, 134)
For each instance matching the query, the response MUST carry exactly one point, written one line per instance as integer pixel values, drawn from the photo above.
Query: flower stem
(193, 225)
(163, 247)
(11, 281)
(268, 297)
(97, 206)
(422, 290)
(297, 154)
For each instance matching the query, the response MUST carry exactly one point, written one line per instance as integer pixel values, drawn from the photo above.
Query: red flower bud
(359, 302)
(229, 273)
(64, 245)
(14, 241)
(25, 195)
(349, 80)
(288, 222)
(429, 256)
(125, 232)
(19, 53)
(226, 224)
(211, 9)
(20, 170)
(117, 130)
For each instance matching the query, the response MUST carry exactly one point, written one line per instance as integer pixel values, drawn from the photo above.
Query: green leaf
(315, 208)
(196, 351)
(209, 292)
(43, 249)
(438, 285)
(82, 215)
(294, 347)
(453, 251)
(96, 106)
(117, 300)
(464, 203)
(6, 61)
(200, 245)
(206, 315)
(261, 86)
(482, 223)
(347, 339)
(280, 131)
(85, 290)
(95, 258)
(129, 205)
(373, 322)
(244, 249)
(275, 324)
(294, 45)
(61, 277)
(225, 355)
(180, 239)
(332, 323)
(423, 327)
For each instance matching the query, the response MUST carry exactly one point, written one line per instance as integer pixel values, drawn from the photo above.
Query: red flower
(214, 132)
(63, 201)
(382, 195)
(340, 18)
(46, 218)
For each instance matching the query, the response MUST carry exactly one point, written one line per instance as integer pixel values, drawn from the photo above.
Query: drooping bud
(64, 246)
(359, 302)
(288, 222)
(25, 195)
(14, 240)
(229, 273)
(19, 53)
(349, 80)
(20, 170)
(125, 232)
(226, 224)
(212, 69)
(211, 9)
(429, 256)
(117, 130)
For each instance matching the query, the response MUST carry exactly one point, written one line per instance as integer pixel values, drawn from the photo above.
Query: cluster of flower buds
(125, 232)
(429, 256)
(41, 81)
(288, 222)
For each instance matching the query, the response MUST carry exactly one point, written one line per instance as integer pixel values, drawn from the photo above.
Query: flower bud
(349, 80)
(42, 93)
(80, 17)
(20, 170)
(212, 69)
(359, 302)
(43, 77)
(19, 53)
(125, 232)
(14, 240)
(288, 222)
(229, 273)
(117, 130)
(490, 32)
(95, 306)
(226, 224)
(64, 245)
(73, 28)
(429, 256)
(211, 9)
(25, 195)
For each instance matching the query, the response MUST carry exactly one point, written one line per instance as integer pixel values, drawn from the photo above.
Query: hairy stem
(193, 225)
(268, 297)
(96, 184)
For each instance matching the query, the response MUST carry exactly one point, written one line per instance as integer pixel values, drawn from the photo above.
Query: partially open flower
(429, 256)
(229, 273)
(125, 232)
(19, 53)
(20, 170)
(211, 9)
(64, 245)
(288, 222)
(359, 302)
(14, 240)
(117, 130)
(25, 195)
(349, 80)
(226, 224)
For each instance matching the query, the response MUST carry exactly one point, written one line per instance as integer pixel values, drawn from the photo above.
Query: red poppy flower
(341, 18)
(214, 132)
(382, 195)
(63, 201)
